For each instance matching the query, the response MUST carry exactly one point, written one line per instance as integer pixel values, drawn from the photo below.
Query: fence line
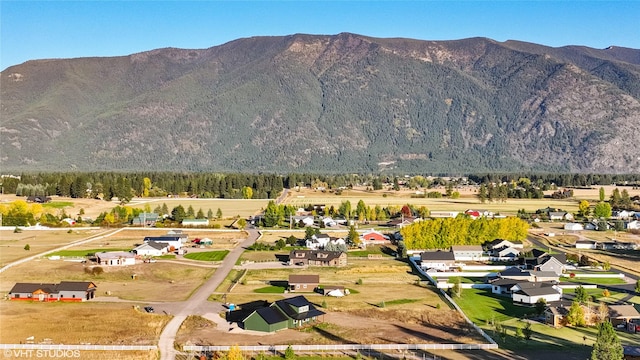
(343, 347)
(78, 347)
(446, 296)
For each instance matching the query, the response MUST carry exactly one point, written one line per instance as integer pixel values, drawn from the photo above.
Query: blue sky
(66, 29)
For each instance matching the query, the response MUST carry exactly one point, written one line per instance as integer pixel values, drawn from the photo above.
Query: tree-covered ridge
(335, 104)
(444, 233)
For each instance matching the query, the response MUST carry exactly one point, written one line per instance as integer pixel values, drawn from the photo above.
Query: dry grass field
(77, 323)
(387, 307)
(12, 244)
(229, 207)
(510, 207)
(129, 238)
(161, 281)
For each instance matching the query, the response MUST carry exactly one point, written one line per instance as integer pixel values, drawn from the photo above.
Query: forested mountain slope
(343, 103)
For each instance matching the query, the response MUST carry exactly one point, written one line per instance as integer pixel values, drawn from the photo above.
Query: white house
(174, 242)
(507, 252)
(195, 222)
(116, 258)
(585, 244)
(530, 293)
(329, 222)
(439, 260)
(633, 225)
(467, 252)
(151, 248)
(573, 227)
(502, 244)
(307, 220)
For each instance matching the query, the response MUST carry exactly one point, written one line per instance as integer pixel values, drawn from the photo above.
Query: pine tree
(607, 346)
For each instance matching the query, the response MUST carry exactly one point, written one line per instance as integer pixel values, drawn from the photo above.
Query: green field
(57, 204)
(208, 255)
(481, 306)
(270, 290)
(81, 253)
(597, 281)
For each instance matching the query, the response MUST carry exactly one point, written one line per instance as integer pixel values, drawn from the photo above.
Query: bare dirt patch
(370, 326)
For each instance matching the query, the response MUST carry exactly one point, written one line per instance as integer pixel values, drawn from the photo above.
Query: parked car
(148, 309)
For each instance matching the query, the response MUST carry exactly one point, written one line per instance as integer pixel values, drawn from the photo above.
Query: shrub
(359, 282)
(97, 270)
(27, 247)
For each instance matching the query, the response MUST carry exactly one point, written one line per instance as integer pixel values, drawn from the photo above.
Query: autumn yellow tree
(235, 353)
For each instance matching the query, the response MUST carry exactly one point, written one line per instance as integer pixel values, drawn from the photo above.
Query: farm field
(161, 281)
(392, 198)
(229, 207)
(12, 244)
(76, 323)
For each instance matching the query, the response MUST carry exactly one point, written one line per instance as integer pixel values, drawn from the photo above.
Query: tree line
(444, 233)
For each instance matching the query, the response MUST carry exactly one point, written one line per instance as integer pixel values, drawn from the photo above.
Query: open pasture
(400, 198)
(76, 323)
(12, 244)
(161, 281)
(229, 207)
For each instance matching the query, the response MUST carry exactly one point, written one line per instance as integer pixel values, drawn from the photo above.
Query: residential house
(151, 248)
(317, 258)
(439, 260)
(145, 219)
(195, 222)
(573, 227)
(66, 291)
(329, 222)
(502, 286)
(402, 221)
(174, 242)
(318, 241)
(585, 244)
(305, 220)
(622, 314)
(115, 258)
(303, 283)
(555, 315)
(530, 293)
(509, 252)
(467, 252)
(499, 244)
(444, 214)
(514, 273)
(633, 225)
(287, 313)
(373, 237)
(560, 215)
(551, 263)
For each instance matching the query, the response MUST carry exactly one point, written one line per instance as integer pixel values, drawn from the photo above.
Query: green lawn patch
(480, 305)
(167, 256)
(596, 281)
(208, 255)
(81, 253)
(57, 204)
(270, 290)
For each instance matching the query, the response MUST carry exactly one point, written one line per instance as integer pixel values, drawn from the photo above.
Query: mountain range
(328, 103)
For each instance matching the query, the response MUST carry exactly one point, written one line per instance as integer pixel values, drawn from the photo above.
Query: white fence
(78, 347)
(343, 347)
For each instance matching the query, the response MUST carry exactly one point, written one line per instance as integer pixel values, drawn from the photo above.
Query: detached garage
(267, 319)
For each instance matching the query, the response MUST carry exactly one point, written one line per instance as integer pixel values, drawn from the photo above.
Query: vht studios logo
(41, 354)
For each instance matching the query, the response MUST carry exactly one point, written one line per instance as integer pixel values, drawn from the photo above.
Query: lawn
(596, 281)
(208, 255)
(57, 204)
(481, 305)
(270, 290)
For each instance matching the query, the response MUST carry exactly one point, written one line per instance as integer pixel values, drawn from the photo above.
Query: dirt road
(197, 304)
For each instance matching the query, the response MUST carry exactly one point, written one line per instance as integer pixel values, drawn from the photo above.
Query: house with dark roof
(282, 314)
(530, 293)
(66, 291)
(145, 219)
(317, 258)
(439, 260)
(175, 242)
(303, 283)
(555, 315)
